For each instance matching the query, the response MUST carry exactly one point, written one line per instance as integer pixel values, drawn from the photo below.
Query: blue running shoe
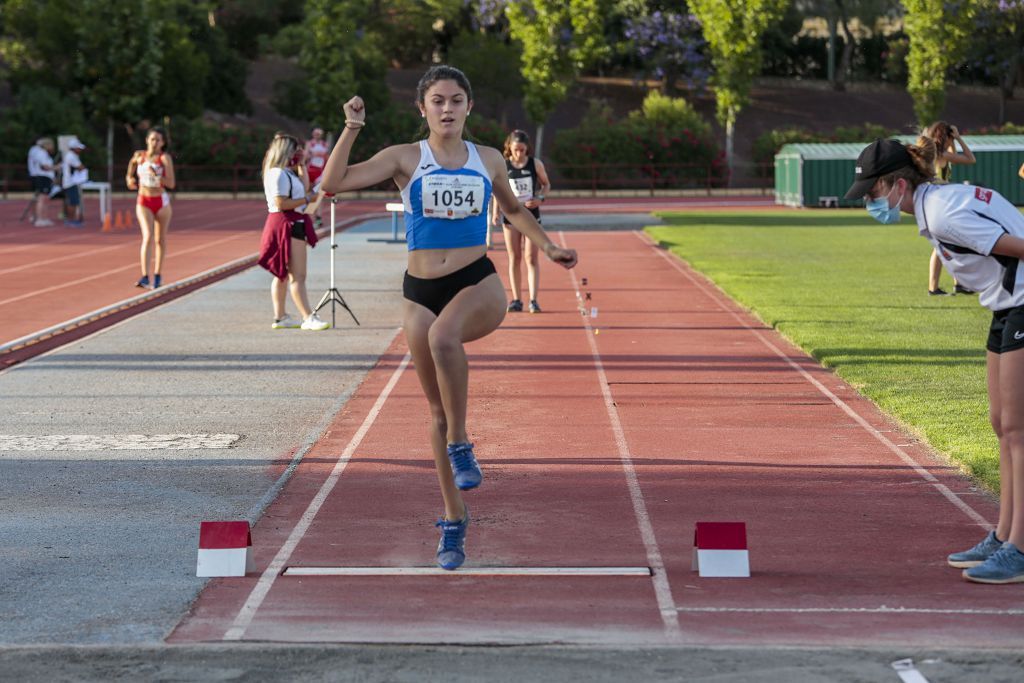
(1005, 565)
(451, 550)
(977, 554)
(467, 472)
(156, 280)
(143, 282)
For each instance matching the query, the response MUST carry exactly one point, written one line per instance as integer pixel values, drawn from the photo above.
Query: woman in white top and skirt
(286, 232)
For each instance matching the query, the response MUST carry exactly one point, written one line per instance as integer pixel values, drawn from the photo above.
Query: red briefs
(154, 204)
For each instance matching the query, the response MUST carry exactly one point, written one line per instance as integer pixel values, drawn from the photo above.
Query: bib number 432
(452, 196)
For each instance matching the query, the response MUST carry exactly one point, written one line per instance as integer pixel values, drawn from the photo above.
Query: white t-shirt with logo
(279, 182)
(964, 222)
(38, 157)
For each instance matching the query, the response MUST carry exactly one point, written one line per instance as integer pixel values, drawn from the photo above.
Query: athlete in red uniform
(151, 172)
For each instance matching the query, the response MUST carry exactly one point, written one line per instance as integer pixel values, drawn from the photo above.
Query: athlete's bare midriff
(435, 263)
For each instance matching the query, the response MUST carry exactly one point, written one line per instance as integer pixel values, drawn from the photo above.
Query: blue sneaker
(451, 550)
(143, 282)
(1005, 565)
(156, 280)
(467, 472)
(977, 554)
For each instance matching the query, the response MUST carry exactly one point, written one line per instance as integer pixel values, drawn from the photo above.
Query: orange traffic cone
(106, 223)
(128, 222)
(118, 222)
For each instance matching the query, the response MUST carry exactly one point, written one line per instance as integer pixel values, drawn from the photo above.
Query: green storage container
(818, 174)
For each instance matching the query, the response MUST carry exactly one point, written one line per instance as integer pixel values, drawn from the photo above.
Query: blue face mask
(881, 211)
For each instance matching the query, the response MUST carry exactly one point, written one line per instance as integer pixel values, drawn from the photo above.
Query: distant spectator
(945, 137)
(73, 174)
(151, 172)
(40, 170)
(316, 152)
(286, 232)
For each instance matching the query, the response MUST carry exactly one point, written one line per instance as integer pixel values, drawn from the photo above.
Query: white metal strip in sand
(467, 571)
(852, 610)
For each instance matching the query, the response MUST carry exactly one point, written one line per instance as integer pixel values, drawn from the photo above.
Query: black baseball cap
(880, 158)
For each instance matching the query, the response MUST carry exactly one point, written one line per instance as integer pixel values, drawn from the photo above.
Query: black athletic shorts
(41, 184)
(436, 293)
(1007, 330)
(535, 211)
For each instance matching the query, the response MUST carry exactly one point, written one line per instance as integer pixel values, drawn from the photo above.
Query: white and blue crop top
(446, 209)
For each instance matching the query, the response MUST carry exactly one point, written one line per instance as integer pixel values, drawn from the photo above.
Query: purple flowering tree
(670, 47)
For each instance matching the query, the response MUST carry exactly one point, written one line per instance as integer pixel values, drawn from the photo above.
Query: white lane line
(79, 255)
(840, 403)
(467, 571)
(110, 271)
(662, 590)
(314, 435)
(852, 610)
(115, 442)
(270, 574)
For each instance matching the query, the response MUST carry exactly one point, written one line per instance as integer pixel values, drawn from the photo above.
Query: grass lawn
(853, 294)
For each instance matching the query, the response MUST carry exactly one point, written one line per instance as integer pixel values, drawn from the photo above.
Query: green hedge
(665, 144)
(767, 145)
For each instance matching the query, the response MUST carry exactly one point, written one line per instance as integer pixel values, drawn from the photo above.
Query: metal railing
(236, 178)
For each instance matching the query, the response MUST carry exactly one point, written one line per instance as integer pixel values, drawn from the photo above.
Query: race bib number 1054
(452, 196)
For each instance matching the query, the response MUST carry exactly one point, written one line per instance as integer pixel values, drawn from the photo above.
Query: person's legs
(995, 414)
(163, 225)
(74, 198)
(278, 289)
(1011, 447)
(297, 277)
(42, 199)
(934, 271)
(474, 313)
(533, 268)
(416, 323)
(514, 247)
(146, 225)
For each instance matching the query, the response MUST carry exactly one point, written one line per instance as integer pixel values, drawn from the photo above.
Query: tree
(732, 29)
(938, 31)
(485, 58)
(558, 39)
(118, 65)
(997, 49)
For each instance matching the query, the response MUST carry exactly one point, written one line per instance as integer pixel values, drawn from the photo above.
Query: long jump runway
(603, 440)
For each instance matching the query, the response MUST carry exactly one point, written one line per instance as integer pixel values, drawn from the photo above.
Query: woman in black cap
(980, 237)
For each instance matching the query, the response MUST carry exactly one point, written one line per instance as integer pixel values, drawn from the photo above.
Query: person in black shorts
(980, 237)
(41, 172)
(529, 182)
(452, 293)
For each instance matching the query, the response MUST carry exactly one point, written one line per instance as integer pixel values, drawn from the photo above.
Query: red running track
(51, 275)
(603, 440)
(54, 274)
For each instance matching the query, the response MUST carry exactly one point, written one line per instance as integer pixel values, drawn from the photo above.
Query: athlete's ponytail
(922, 168)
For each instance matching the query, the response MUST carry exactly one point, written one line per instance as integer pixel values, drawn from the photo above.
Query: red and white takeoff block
(720, 549)
(225, 549)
